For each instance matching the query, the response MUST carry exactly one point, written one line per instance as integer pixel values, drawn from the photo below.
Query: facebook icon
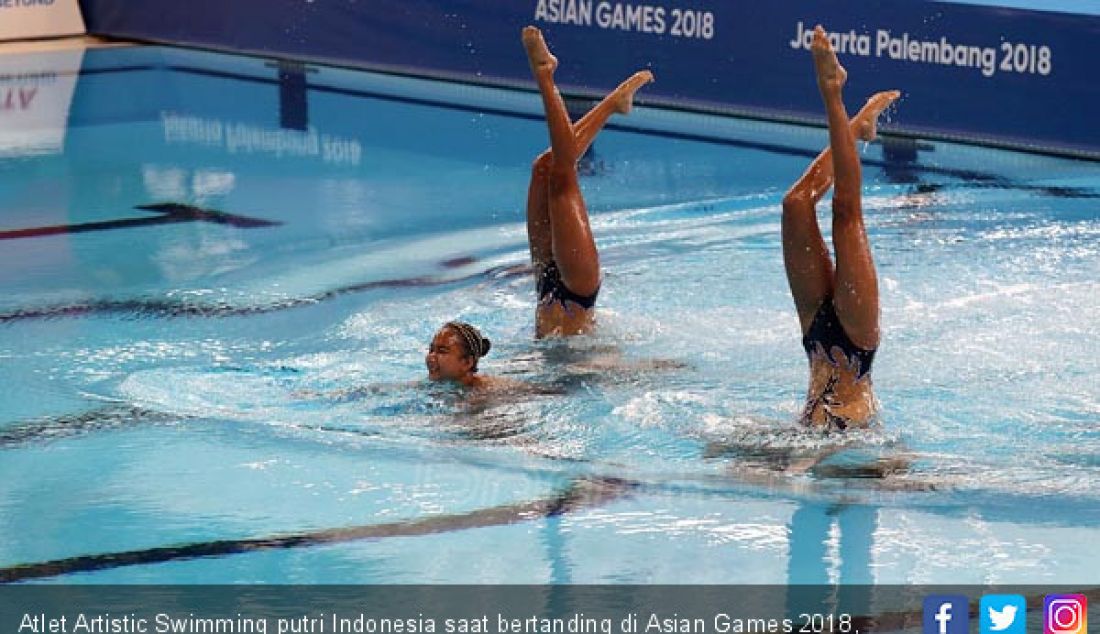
(946, 614)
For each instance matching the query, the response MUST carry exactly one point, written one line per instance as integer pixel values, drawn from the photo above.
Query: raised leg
(809, 268)
(543, 64)
(620, 100)
(856, 284)
(572, 245)
(539, 234)
(805, 256)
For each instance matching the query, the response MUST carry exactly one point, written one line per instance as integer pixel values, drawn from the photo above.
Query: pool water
(1078, 7)
(232, 396)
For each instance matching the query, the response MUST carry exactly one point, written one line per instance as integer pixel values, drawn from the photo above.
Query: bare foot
(538, 54)
(864, 124)
(624, 94)
(830, 74)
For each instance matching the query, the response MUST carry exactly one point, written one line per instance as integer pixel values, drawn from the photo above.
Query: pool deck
(59, 44)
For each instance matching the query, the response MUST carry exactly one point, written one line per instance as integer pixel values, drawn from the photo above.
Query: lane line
(579, 495)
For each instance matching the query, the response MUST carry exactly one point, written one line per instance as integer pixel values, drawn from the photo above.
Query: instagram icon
(1065, 614)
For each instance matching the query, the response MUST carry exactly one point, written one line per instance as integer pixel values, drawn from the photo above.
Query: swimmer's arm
(630, 367)
(353, 393)
(507, 385)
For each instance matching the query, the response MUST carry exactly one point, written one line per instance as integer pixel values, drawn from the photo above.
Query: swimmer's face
(447, 359)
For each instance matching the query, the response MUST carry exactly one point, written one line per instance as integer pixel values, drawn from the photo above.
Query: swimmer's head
(454, 352)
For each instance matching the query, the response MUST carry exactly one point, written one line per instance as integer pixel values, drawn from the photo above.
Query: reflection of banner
(36, 90)
(21, 19)
(1020, 78)
(242, 138)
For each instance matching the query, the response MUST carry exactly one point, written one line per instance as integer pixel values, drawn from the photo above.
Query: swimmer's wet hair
(475, 345)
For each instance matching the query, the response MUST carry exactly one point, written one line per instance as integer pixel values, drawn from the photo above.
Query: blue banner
(1011, 77)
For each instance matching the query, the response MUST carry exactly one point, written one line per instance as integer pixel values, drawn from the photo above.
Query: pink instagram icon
(1065, 614)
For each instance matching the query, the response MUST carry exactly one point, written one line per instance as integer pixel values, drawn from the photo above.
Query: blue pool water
(1079, 7)
(173, 385)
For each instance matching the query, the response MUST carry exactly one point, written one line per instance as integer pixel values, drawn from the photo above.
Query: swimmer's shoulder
(501, 384)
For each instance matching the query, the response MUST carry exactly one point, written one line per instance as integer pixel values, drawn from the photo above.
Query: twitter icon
(1003, 614)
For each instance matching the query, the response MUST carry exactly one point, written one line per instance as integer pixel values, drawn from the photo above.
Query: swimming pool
(161, 419)
(1080, 7)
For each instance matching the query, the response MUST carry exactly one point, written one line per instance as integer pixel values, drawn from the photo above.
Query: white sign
(36, 91)
(23, 19)
(1003, 56)
(624, 16)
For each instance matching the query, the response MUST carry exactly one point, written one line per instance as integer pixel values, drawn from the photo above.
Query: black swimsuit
(551, 289)
(825, 334)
